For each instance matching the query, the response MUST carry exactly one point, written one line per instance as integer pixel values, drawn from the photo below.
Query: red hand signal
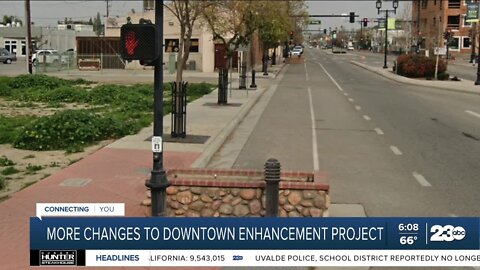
(131, 43)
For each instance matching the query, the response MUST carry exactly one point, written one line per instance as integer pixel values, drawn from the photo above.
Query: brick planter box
(240, 193)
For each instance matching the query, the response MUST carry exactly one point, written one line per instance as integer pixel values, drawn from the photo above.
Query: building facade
(202, 51)
(432, 18)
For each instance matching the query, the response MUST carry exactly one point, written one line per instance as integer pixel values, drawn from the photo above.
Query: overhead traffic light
(324, 31)
(365, 22)
(140, 42)
(352, 17)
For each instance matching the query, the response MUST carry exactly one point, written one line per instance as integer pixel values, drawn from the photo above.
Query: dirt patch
(34, 166)
(18, 108)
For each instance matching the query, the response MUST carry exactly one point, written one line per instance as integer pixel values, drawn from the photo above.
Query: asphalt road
(398, 150)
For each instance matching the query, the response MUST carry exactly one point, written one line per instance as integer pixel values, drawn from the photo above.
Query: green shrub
(9, 171)
(32, 169)
(418, 66)
(4, 161)
(41, 80)
(71, 130)
(2, 182)
(443, 76)
(11, 127)
(37, 80)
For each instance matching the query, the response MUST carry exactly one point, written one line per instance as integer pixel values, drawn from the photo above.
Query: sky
(49, 12)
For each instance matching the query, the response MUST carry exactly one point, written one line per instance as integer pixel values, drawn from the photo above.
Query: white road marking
(453, 215)
(473, 113)
(316, 163)
(421, 180)
(345, 94)
(366, 117)
(395, 150)
(379, 131)
(351, 100)
(331, 78)
(358, 108)
(306, 73)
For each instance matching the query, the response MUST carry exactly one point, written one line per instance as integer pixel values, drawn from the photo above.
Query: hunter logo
(58, 257)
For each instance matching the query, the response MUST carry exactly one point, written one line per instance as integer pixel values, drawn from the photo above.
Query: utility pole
(418, 26)
(108, 8)
(28, 42)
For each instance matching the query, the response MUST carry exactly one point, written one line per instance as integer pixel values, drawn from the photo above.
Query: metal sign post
(158, 182)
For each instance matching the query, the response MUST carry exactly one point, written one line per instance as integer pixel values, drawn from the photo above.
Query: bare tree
(187, 13)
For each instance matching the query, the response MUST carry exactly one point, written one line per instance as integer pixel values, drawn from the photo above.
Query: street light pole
(473, 41)
(477, 82)
(386, 41)
(378, 4)
(158, 182)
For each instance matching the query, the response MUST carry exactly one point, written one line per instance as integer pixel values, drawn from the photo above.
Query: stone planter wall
(209, 194)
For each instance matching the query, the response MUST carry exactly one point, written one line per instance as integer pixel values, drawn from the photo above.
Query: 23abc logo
(447, 233)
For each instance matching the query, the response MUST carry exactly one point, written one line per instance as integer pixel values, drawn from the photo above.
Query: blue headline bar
(255, 233)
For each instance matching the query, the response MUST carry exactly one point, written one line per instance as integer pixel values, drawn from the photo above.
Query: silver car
(7, 57)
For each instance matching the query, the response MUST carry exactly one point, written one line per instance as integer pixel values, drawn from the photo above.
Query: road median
(463, 86)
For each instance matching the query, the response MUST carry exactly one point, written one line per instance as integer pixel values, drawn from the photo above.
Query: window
(441, 4)
(465, 42)
(454, 45)
(171, 45)
(194, 45)
(434, 22)
(11, 45)
(424, 3)
(434, 2)
(454, 4)
(453, 22)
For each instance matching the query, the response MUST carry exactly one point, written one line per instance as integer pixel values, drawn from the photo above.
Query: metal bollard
(253, 85)
(243, 76)
(272, 178)
(222, 86)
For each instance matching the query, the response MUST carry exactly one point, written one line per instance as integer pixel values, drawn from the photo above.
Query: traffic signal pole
(158, 182)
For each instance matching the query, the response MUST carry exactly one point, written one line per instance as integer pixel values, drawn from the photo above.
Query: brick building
(437, 16)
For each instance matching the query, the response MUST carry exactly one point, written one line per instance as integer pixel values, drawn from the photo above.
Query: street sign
(472, 12)
(157, 144)
(391, 23)
(314, 22)
(440, 51)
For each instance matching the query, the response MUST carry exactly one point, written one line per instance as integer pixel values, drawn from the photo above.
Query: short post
(253, 85)
(272, 178)
(222, 86)
(243, 76)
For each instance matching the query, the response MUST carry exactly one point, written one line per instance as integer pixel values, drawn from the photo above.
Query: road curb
(220, 139)
(430, 84)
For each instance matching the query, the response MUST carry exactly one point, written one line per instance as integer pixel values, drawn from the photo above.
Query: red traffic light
(140, 42)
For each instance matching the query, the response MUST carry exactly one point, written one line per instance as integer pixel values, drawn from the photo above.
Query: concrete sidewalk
(117, 172)
(464, 86)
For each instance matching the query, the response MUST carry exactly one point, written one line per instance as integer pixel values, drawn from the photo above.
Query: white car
(47, 56)
(297, 51)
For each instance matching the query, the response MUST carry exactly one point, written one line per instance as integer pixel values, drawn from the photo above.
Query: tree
(97, 25)
(187, 13)
(231, 22)
(273, 26)
(11, 19)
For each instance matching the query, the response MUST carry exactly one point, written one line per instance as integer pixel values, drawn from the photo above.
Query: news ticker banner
(131, 241)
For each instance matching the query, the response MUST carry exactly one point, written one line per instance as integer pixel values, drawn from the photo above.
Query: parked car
(47, 56)
(7, 57)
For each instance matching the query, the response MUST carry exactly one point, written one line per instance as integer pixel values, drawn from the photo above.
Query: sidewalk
(464, 86)
(117, 172)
